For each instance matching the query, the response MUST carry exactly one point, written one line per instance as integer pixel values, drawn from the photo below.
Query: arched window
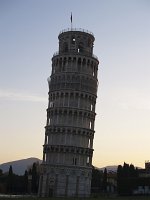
(73, 40)
(80, 47)
(74, 161)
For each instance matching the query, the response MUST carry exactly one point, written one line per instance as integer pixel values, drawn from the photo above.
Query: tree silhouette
(126, 178)
(10, 180)
(35, 178)
(104, 183)
(96, 182)
(1, 172)
(26, 181)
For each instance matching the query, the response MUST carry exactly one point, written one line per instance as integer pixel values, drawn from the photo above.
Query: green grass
(94, 198)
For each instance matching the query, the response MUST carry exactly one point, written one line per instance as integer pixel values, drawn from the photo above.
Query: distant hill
(19, 166)
(112, 168)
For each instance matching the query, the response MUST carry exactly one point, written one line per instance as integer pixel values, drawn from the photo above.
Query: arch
(79, 64)
(84, 62)
(74, 59)
(73, 39)
(88, 62)
(80, 47)
(69, 59)
(79, 60)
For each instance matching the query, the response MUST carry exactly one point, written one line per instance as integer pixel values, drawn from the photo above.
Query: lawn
(94, 198)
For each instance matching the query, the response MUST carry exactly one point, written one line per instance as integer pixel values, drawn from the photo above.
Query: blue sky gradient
(29, 37)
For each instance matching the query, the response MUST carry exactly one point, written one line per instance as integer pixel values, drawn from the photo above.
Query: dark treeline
(99, 181)
(127, 176)
(125, 180)
(11, 183)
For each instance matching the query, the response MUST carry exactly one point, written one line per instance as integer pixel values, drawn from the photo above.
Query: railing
(78, 53)
(56, 53)
(76, 29)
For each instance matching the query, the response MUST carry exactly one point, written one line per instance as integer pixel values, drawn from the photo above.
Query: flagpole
(71, 21)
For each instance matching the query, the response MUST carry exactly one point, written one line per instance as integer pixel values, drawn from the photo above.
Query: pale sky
(28, 38)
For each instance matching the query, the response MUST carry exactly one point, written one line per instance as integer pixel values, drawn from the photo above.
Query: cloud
(13, 95)
(136, 101)
(132, 99)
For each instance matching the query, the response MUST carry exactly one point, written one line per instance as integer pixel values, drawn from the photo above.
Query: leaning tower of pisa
(68, 148)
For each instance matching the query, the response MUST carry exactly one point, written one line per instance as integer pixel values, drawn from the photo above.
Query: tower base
(62, 181)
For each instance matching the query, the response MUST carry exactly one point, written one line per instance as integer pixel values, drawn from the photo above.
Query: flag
(71, 18)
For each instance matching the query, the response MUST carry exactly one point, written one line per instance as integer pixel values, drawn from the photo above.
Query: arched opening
(80, 47)
(88, 160)
(73, 40)
(74, 161)
(79, 64)
(90, 125)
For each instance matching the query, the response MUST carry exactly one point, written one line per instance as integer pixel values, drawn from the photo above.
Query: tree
(10, 180)
(119, 178)
(104, 183)
(35, 178)
(126, 170)
(119, 171)
(96, 182)
(25, 177)
(132, 170)
(1, 172)
(10, 171)
(126, 178)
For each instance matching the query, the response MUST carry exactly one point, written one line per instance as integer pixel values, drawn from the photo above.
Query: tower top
(75, 40)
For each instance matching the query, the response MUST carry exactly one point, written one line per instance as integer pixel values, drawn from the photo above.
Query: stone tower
(69, 132)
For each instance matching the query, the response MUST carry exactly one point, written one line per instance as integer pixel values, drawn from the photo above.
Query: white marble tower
(69, 132)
